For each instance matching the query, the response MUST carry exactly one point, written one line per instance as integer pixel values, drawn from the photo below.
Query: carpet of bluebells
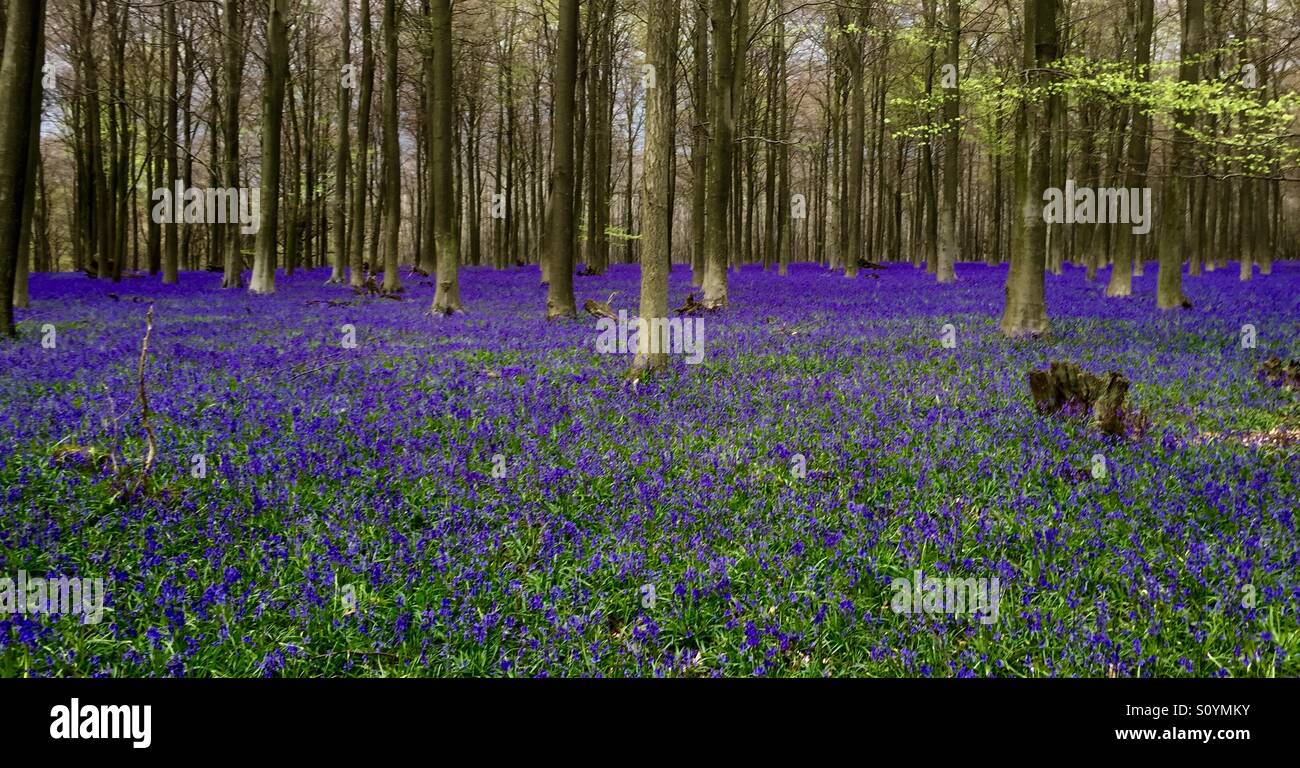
(350, 522)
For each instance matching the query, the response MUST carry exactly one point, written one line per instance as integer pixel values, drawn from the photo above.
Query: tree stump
(1280, 374)
(1108, 408)
(691, 307)
(1065, 386)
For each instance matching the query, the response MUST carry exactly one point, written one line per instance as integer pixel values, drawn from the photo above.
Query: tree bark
(1173, 224)
(1025, 312)
(22, 60)
(784, 223)
(233, 266)
(699, 146)
(360, 176)
(560, 241)
(1122, 271)
(852, 248)
(338, 263)
(661, 39)
(720, 155)
(948, 247)
(598, 135)
(171, 43)
(277, 73)
(446, 297)
(392, 158)
(25, 231)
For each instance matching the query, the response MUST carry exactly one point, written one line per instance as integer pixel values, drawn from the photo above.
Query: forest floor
(483, 494)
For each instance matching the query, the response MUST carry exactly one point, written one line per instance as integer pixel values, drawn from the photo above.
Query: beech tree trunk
(852, 248)
(233, 265)
(21, 64)
(720, 153)
(1126, 244)
(360, 176)
(338, 262)
(560, 241)
(392, 159)
(699, 146)
(446, 297)
(1025, 312)
(1174, 222)
(661, 38)
(948, 245)
(277, 74)
(784, 224)
(172, 44)
(25, 232)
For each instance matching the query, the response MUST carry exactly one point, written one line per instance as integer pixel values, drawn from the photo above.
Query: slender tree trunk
(118, 138)
(1173, 224)
(25, 229)
(699, 146)
(23, 57)
(857, 148)
(47, 260)
(931, 229)
(661, 39)
(100, 232)
(392, 158)
(1121, 273)
(769, 156)
(342, 150)
(597, 136)
(629, 251)
(277, 73)
(233, 267)
(186, 234)
(783, 221)
(1025, 313)
(948, 245)
(293, 199)
(157, 138)
(559, 295)
(1091, 170)
(1057, 233)
(446, 297)
(172, 44)
(360, 176)
(740, 110)
(720, 152)
(429, 241)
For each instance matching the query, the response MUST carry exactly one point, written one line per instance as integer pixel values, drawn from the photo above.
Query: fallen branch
(144, 402)
(691, 307)
(601, 308)
(323, 366)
